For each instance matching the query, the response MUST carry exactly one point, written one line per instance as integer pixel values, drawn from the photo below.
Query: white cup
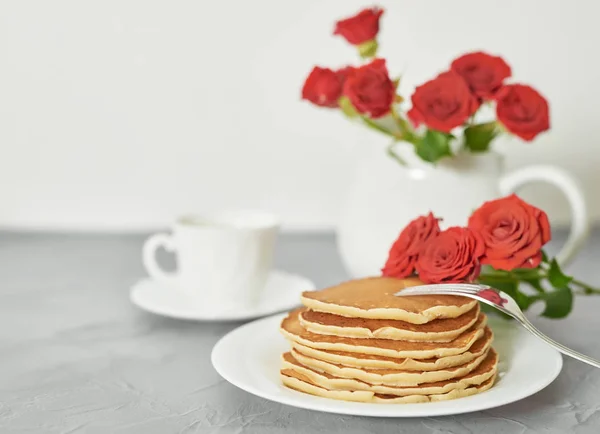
(223, 260)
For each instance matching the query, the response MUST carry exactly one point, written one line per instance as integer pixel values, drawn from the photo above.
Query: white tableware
(222, 259)
(281, 292)
(526, 366)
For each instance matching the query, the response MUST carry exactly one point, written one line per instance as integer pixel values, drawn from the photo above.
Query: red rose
(483, 73)
(405, 250)
(345, 72)
(360, 28)
(513, 232)
(323, 87)
(442, 103)
(370, 89)
(451, 256)
(522, 110)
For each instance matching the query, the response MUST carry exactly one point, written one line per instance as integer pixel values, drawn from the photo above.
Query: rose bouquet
(445, 117)
(501, 246)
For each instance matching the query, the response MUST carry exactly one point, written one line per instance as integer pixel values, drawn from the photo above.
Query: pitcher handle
(513, 181)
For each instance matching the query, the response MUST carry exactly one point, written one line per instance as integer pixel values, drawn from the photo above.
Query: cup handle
(513, 181)
(149, 257)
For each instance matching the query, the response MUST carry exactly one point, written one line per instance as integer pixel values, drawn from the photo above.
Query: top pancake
(374, 298)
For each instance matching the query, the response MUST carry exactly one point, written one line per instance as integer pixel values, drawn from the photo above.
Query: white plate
(249, 358)
(282, 292)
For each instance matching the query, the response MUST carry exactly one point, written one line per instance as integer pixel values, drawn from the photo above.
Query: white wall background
(119, 114)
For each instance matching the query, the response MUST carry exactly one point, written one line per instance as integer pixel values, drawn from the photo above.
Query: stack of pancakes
(358, 342)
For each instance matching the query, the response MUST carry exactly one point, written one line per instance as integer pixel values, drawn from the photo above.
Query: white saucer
(526, 366)
(282, 292)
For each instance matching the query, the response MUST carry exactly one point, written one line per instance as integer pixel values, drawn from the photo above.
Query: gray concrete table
(77, 357)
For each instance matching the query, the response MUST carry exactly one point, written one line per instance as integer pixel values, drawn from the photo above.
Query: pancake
(357, 360)
(374, 298)
(389, 377)
(301, 383)
(293, 330)
(437, 330)
(486, 369)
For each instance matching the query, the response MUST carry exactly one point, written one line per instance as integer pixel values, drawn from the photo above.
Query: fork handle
(560, 347)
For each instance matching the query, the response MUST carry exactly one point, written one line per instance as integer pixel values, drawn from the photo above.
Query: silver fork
(501, 301)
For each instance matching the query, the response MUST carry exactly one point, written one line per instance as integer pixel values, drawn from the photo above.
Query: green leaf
(347, 107)
(557, 278)
(525, 273)
(433, 146)
(535, 284)
(509, 287)
(524, 300)
(544, 257)
(368, 49)
(478, 137)
(558, 302)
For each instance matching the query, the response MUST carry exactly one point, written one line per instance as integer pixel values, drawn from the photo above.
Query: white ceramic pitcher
(386, 196)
